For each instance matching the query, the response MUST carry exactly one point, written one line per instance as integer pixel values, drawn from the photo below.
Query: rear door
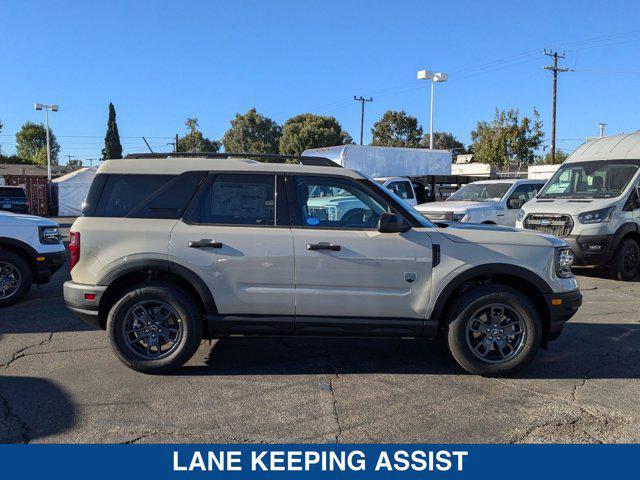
(350, 278)
(235, 236)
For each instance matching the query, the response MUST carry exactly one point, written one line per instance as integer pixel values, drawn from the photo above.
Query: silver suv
(173, 250)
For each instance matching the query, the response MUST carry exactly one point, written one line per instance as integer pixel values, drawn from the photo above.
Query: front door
(235, 236)
(344, 267)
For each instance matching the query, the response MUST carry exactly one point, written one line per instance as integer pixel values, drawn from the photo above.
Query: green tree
(507, 138)
(195, 141)
(444, 141)
(307, 130)
(545, 159)
(396, 129)
(31, 144)
(112, 147)
(252, 133)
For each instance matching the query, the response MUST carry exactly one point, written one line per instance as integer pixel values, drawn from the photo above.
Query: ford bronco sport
(173, 250)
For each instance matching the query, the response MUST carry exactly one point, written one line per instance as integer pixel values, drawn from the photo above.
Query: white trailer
(387, 161)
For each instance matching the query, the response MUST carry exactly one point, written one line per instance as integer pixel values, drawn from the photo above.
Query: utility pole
(601, 128)
(362, 101)
(175, 145)
(555, 70)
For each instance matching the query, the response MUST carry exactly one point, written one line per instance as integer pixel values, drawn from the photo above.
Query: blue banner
(510, 462)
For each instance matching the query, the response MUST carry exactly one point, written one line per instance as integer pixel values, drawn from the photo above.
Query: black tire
(459, 338)
(188, 315)
(625, 263)
(21, 270)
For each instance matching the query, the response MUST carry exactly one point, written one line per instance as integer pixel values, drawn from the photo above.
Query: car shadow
(584, 350)
(23, 401)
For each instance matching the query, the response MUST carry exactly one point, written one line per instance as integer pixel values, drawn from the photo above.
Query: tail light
(74, 249)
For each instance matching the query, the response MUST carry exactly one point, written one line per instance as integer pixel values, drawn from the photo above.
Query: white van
(592, 201)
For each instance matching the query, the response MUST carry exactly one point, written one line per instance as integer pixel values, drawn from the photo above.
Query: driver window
(337, 203)
(401, 189)
(524, 193)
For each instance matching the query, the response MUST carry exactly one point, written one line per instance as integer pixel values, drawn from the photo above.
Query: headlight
(597, 216)
(459, 217)
(521, 215)
(50, 235)
(564, 260)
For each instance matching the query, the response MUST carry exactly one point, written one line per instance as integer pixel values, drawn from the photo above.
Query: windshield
(7, 192)
(598, 179)
(480, 192)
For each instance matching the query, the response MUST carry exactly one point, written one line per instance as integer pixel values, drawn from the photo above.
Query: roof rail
(269, 157)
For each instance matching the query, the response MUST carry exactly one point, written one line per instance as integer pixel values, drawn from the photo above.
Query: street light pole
(434, 77)
(46, 108)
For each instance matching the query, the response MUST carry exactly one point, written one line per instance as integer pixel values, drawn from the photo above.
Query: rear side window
(11, 192)
(236, 199)
(141, 196)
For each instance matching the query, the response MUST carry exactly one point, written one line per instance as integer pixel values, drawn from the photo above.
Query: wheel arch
(626, 230)
(149, 270)
(519, 278)
(24, 250)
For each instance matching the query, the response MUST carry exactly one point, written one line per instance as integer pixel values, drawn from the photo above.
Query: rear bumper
(562, 306)
(75, 296)
(591, 249)
(46, 264)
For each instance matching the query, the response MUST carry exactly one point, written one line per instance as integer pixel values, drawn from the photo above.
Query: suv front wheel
(154, 328)
(494, 331)
(15, 278)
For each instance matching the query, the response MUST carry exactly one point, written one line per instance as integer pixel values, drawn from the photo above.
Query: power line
(362, 101)
(555, 70)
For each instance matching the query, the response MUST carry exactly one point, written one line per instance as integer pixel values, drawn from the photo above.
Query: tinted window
(401, 189)
(236, 199)
(326, 202)
(121, 194)
(6, 192)
(526, 191)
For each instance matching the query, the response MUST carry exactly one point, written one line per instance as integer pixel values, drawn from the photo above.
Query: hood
(569, 206)
(499, 235)
(20, 220)
(459, 206)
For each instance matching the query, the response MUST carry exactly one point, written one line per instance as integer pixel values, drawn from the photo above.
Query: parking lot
(60, 382)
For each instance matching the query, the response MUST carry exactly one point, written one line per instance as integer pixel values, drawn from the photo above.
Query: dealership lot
(60, 382)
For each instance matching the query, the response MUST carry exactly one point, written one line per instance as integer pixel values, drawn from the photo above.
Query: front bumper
(585, 251)
(561, 306)
(84, 301)
(46, 264)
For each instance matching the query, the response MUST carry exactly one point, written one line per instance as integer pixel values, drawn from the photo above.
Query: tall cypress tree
(112, 147)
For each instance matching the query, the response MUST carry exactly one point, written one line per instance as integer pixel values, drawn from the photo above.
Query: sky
(161, 62)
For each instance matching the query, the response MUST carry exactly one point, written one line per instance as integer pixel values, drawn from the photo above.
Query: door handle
(323, 246)
(205, 243)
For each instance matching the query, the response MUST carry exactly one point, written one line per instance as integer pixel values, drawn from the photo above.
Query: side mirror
(516, 203)
(391, 223)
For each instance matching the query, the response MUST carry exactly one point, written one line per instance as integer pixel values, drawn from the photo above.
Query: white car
(593, 202)
(175, 249)
(31, 250)
(497, 202)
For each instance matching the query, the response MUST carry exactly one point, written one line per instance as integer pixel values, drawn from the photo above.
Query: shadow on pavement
(33, 408)
(584, 350)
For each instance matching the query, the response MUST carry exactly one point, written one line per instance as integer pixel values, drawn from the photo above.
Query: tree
(307, 130)
(31, 144)
(1, 132)
(507, 138)
(444, 141)
(252, 133)
(396, 129)
(195, 141)
(561, 156)
(112, 147)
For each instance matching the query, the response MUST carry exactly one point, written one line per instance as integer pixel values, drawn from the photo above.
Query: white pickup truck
(497, 202)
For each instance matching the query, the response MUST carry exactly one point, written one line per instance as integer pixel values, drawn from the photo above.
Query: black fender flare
(623, 230)
(18, 244)
(482, 270)
(186, 274)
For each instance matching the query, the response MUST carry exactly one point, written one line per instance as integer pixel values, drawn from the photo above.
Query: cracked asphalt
(60, 382)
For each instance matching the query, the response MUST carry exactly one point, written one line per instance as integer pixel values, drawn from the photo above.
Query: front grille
(551, 223)
(438, 216)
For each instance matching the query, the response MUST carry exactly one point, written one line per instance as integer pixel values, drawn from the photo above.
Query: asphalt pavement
(60, 382)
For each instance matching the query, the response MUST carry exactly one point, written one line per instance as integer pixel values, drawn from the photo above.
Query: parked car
(31, 251)
(497, 202)
(593, 202)
(401, 186)
(13, 199)
(170, 252)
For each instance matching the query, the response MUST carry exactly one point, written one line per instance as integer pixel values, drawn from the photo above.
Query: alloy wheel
(630, 259)
(152, 329)
(10, 280)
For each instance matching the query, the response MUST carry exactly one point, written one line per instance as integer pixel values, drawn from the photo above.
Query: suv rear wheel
(15, 278)
(495, 331)
(154, 328)
(625, 264)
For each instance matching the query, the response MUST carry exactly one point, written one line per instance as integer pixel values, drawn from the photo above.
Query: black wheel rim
(496, 333)
(10, 280)
(630, 259)
(152, 329)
